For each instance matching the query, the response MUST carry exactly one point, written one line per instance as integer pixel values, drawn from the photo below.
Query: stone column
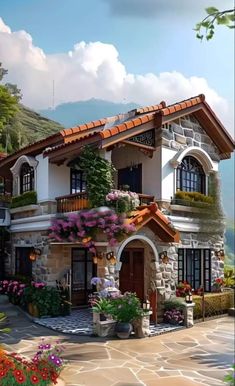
(188, 314)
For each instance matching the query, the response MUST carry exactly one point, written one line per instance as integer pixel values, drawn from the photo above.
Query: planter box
(142, 325)
(104, 328)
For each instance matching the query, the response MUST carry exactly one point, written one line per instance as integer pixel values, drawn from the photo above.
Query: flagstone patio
(197, 356)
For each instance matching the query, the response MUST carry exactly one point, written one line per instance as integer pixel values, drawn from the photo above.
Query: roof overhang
(153, 218)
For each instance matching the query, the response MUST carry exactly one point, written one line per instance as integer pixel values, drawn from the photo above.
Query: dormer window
(190, 176)
(26, 178)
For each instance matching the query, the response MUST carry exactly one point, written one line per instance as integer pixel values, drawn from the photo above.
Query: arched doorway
(137, 256)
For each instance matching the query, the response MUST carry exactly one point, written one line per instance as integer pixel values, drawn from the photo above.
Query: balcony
(79, 201)
(72, 202)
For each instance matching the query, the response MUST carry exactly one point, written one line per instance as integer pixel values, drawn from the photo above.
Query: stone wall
(184, 132)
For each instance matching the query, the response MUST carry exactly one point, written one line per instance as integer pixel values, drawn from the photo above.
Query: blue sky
(150, 36)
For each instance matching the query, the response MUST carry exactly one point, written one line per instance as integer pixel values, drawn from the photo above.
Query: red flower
(2, 373)
(21, 379)
(34, 379)
(18, 373)
(44, 376)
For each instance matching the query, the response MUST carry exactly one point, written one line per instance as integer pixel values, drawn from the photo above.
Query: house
(169, 155)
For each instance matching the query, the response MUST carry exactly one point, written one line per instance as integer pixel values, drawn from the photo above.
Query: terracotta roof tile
(151, 212)
(149, 109)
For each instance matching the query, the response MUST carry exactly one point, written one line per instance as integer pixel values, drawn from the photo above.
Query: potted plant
(103, 307)
(217, 284)
(125, 309)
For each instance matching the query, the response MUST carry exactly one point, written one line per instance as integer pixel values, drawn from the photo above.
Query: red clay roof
(183, 105)
(156, 220)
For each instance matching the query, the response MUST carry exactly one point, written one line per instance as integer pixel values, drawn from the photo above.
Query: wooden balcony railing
(145, 199)
(72, 202)
(79, 201)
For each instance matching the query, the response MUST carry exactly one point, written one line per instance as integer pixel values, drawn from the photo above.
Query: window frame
(79, 177)
(204, 268)
(27, 178)
(189, 180)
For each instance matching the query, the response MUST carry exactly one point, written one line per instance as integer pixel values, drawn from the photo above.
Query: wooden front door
(83, 270)
(132, 177)
(131, 277)
(23, 264)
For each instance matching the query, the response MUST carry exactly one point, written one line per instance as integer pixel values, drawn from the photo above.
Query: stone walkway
(189, 357)
(80, 322)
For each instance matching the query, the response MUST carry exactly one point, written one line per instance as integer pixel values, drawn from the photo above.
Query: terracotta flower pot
(30, 308)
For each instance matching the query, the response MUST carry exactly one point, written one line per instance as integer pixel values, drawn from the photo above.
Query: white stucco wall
(51, 180)
(151, 169)
(59, 180)
(168, 174)
(42, 178)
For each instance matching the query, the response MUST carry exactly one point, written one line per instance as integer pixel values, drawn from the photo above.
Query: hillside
(26, 127)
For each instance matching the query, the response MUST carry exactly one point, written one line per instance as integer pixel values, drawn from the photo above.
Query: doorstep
(80, 322)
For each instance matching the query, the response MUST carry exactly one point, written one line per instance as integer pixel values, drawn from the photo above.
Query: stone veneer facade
(184, 132)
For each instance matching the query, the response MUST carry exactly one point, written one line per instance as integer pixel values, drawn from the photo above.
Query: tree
(214, 16)
(8, 101)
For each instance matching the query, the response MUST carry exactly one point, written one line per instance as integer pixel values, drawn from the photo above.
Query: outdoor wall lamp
(188, 297)
(146, 305)
(164, 257)
(109, 256)
(35, 252)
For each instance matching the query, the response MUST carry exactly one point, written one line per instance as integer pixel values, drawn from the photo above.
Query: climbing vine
(99, 176)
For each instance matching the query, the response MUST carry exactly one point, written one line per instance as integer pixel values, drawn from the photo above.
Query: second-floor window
(78, 181)
(190, 176)
(26, 178)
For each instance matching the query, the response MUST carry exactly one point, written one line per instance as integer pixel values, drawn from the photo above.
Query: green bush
(215, 304)
(194, 197)
(26, 198)
(174, 304)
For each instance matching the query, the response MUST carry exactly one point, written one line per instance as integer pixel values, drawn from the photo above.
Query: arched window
(190, 176)
(26, 178)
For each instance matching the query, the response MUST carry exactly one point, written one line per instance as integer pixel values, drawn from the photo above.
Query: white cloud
(92, 70)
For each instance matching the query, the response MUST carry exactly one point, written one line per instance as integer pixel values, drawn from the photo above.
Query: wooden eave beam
(71, 150)
(139, 145)
(124, 135)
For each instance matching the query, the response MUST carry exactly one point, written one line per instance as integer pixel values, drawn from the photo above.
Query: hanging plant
(83, 227)
(99, 176)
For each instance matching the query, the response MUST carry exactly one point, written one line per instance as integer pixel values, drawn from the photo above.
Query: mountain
(70, 114)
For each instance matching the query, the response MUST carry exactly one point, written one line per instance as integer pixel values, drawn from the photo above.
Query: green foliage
(47, 300)
(214, 16)
(8, 100)
(26, 127)
(230, 378)
(126, 308)
(215, 304)
(102, 305)
(194, 197)
(99, 175)
(229, 276)
(26, 198)
(174, 304)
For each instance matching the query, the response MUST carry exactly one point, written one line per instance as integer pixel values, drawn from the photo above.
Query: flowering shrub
(217, 284)
(173, 316)
(126, 308)
(122, 201)
(84, 225)
(43, 370)
(14, 289)
(183, 288)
